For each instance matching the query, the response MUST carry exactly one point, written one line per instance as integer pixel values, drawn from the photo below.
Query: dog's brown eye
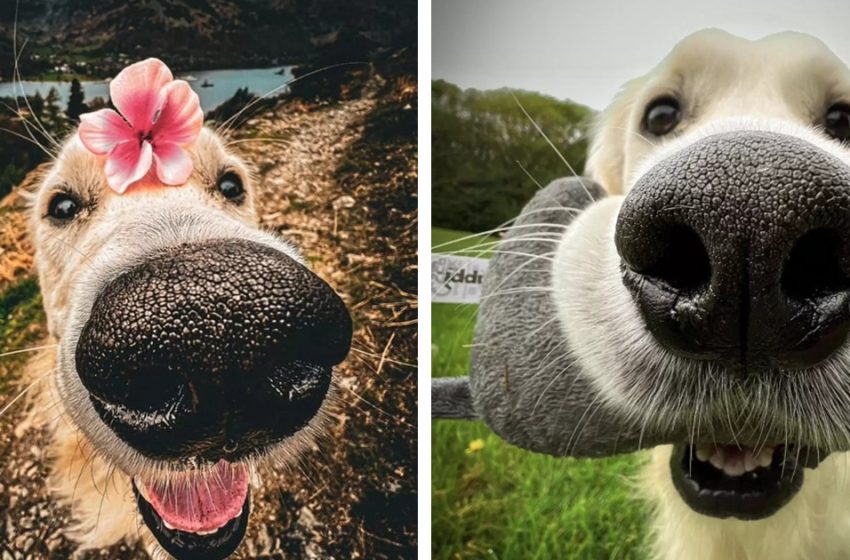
(63, 207)
(837, 122)
(230, 185)
(662, 116)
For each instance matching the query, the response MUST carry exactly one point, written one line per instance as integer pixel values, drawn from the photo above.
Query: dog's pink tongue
(201, 503)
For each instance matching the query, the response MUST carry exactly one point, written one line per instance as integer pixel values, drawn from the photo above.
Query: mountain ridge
(99, 37)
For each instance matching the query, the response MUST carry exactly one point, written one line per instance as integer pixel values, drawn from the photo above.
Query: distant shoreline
(188, 75)
(54, 76)
(213, 87)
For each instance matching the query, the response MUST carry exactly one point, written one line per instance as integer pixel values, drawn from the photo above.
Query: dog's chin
(739, 481)
(200, 513)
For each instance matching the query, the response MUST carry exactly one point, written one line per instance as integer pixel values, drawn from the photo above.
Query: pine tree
(37, 104)
(76, 101)
(52, 118)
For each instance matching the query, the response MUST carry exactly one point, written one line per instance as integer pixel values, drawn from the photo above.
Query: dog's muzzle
(213, 349)
(735, 250)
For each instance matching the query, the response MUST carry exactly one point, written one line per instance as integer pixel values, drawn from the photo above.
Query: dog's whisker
(555, 378)
(634, 134)
(520, 290)
(110, 471)
(26, 139)
(529, 175)
(17, 80)
(252, 140)
(30, 349)
(506, 227)
(369, 403)
(388, 360)
(22, 393)
(86, 258)
(552, 145)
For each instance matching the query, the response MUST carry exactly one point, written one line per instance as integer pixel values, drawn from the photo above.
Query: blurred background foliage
(482, 140)
(335, 44)
(491, 499)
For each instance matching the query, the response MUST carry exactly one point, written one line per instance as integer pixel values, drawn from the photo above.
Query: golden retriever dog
(714, 292)
(193, 350)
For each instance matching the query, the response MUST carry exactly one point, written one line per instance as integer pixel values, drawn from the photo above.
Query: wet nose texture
(214, 349)
(735, 249)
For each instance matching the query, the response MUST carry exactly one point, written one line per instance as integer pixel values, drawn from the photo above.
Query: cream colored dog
(725, 232)
(141, 442)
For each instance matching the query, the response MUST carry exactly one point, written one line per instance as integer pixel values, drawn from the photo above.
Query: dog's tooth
(750, 461)
(167, 524)
(704, 453)
(734, 467)
(765, 457)
(717, 460)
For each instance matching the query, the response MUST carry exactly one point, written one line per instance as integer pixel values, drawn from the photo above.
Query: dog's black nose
(736, 250)
(212, 349)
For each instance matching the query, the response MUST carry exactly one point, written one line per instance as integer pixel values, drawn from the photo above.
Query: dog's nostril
(681, 260)
(813, 268)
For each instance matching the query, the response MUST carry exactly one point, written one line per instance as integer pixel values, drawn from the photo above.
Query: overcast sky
(584, 50)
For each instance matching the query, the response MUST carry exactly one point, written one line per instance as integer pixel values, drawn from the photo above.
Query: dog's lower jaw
(814, 524)
(103, 506)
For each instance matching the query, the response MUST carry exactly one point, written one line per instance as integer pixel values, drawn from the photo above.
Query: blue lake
(223, 84)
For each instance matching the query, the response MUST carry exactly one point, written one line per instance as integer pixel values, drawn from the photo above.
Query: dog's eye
(837, 122)
(230, 185)
(63, 207)
(662, 116)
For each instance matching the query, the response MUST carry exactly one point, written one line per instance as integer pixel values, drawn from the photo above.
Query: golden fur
(781, 82)
(91, 471)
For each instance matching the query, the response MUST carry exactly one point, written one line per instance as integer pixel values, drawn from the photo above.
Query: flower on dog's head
(157, 117)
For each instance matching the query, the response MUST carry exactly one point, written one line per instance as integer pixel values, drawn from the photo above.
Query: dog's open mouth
(199, 514)
(738, 480)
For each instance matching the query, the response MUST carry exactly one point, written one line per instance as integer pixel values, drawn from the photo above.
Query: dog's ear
(606, 161)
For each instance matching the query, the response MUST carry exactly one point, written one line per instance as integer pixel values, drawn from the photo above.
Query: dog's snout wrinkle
(760, 296)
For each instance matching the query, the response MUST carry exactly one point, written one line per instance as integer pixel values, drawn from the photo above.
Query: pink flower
(159, 116)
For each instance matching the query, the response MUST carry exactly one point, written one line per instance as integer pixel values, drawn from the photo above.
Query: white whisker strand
(31, 349)
(23, 392)
(552, 145)
(16, 79)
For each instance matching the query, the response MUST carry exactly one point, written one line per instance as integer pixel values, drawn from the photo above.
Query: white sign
(456, 279)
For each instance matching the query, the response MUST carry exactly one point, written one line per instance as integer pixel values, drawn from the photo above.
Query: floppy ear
(606, 161)
(524, 382)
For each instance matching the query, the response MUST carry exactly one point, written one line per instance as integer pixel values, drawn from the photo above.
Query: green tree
(76, 101)
(482, 140)
(98, 103)
(37, 104)
(52, 118)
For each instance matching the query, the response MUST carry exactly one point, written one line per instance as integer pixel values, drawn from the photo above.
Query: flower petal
(180, 118)
(135, 91)
(173, 164)
(102, 130)
(127, 163)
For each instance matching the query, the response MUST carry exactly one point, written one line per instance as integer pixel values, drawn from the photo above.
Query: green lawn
(496, 501)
